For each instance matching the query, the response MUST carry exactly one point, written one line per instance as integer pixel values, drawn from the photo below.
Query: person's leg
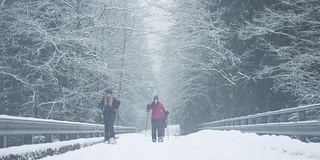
(161, 128)
(106, 130)
(111, 129)
(157, 126)
(153, 129)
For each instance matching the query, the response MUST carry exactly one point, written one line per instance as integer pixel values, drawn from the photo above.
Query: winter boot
(154, 140)
(112, 141)
(160, 139)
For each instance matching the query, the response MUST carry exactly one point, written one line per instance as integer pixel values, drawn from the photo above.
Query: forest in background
(239, 57)
(57, 57)
(221, 59)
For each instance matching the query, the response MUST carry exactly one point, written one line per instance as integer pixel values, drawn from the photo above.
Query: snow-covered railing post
(250, 121)
(302, 116)
(48, 138)
(284, 117)
(244, 121)
(3, 141)
(28, 139)
(273, 122)
(270, 119)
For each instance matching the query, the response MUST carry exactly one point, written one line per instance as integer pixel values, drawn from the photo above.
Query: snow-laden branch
(297, 54)
(16, 77)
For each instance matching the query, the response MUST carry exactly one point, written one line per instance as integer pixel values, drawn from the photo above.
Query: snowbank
(37, 151)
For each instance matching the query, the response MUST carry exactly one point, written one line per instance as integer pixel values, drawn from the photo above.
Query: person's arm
(162, 108)
(148, 107)
(100, 106)
(165, 112)
(117, 104)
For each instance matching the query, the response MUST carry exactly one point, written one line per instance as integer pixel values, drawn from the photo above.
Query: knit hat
(155, 98)
(107, 90)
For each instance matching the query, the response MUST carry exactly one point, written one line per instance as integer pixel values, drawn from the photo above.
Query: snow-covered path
(204, 145)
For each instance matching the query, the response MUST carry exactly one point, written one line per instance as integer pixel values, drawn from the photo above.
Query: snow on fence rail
(273, 122)
(29, 127)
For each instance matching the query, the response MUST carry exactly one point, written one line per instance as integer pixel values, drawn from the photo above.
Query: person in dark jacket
(109, 105)
(157, 120)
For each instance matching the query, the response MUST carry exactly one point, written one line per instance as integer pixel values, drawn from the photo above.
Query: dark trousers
(108, 127)
(157, 127)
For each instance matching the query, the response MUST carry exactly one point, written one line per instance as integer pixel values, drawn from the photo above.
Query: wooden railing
(273, 122)
(30, 127)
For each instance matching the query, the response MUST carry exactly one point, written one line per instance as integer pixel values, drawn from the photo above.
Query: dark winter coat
(109, 112)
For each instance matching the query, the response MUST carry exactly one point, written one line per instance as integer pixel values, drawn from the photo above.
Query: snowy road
(204, 145)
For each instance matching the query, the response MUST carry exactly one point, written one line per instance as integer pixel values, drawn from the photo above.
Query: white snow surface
(203, 145)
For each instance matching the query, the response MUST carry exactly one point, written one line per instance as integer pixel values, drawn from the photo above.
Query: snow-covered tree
(58, 56)
(211, 72)
(288, 33)
(196, 56)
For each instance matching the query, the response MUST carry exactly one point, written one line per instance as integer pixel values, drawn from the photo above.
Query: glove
(117, 104)
(148, 107)
(166, 113)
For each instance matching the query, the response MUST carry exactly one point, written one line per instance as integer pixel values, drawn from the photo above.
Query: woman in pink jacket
(157, 119)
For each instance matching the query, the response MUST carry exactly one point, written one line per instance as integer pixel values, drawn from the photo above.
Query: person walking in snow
(157, 120)
(109, 105)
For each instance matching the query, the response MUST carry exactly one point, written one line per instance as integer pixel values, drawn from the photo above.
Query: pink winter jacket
(157, 111)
